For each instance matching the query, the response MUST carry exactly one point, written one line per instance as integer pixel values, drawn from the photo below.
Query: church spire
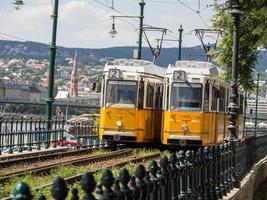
(73, 91)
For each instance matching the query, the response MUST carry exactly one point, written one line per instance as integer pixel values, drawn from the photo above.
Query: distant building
(20, 91)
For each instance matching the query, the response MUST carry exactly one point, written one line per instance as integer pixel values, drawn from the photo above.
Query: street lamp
(233, 108)
(180, 42)
(51, 69)
(113, 31)
(18, 4)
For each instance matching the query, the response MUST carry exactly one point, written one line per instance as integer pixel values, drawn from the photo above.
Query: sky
(86, 23)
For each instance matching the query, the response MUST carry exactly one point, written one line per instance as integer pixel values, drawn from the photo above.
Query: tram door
(148, 115)
(214, 102)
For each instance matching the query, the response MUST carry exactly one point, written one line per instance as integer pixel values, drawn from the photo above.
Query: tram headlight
(119, 124)
(185, 128)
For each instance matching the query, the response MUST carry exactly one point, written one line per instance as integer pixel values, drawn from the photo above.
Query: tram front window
(121, 94)
(186, 96)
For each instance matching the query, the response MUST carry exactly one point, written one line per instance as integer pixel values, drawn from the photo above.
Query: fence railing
(208, 173)
(28, 133)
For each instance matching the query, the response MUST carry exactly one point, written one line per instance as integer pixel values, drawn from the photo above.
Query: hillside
(27, 50)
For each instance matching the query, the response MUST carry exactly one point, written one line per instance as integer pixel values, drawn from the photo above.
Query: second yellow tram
(195, 105)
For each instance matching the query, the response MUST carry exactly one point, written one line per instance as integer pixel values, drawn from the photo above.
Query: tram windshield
(121, 94)
(186, 96)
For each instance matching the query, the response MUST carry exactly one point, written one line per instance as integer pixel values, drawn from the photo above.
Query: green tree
(253, 35)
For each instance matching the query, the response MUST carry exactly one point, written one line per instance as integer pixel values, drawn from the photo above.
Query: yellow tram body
(195, 105)
(138, 120)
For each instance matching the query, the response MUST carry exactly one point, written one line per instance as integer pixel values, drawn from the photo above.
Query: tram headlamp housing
(185, 128)
(119, 124)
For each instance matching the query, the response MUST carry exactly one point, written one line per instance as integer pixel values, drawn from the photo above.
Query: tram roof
(135, 66)
(195, 67)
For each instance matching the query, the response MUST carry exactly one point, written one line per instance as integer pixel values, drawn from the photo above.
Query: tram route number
(179, 75)
(185, 117)
(114, 73)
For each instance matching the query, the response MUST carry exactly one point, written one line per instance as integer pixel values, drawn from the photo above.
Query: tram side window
(158, 103)
(214, 99)
(150, 95)
(222, 99)
(141, 96)
(206, 97)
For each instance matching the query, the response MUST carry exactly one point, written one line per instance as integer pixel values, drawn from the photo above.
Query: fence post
(30, 136)
(201, 173)
(59, 189)
(222, 184)
(107, 180)
(163, 177)
(135, 190)
(140, 174)
(21, 191)
(207, 173)
(118, 192)
(153, 169)
(217, 173)
(173, 177)
(189, 176)
(182, 169)
(88, 185)
(124, 178)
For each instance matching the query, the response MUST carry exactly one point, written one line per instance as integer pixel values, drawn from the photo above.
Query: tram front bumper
(119, 136)
(184, 140)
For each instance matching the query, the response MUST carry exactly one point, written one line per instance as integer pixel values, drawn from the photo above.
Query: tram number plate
(114, 73)
(179, 75)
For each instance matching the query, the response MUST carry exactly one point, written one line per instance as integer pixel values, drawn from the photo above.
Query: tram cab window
(206, 97)
(121, 94)
(141, 95)
(222, 99)
(150, 96)
(186, 96)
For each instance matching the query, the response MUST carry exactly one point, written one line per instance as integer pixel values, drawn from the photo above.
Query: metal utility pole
(142, 5)
(50, 100)
(233, 108)
(180, 42)
(257, 98)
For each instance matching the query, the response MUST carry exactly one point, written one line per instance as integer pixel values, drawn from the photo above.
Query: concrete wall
(250, 183)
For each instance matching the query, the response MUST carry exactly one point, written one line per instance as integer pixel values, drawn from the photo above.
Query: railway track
(75, 162)
(117, 154)
(38, 157)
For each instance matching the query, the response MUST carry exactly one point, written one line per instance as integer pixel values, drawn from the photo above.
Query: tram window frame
(158, 96)
(180, 108)
(140, 99)
(222, 99)
(214, 99)
(150, 101)
(206, 96)
(106, 85)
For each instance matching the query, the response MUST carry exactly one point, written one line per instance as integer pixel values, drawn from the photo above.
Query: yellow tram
(195, 105)
(131, 101)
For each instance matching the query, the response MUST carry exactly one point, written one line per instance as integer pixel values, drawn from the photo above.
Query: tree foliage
(253, 26)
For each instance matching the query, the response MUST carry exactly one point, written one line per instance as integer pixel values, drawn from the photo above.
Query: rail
(208, 173)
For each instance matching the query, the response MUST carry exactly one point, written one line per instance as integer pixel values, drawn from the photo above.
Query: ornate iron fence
(209, 173)
(28, 133)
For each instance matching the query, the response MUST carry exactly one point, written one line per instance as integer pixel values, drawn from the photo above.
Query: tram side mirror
(93, 87)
